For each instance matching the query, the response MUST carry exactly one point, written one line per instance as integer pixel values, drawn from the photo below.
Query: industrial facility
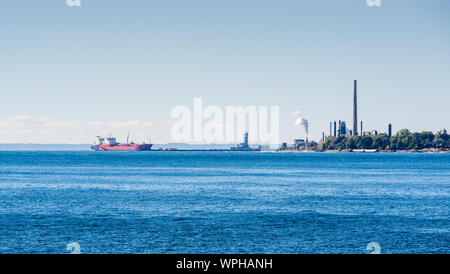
(339, 128)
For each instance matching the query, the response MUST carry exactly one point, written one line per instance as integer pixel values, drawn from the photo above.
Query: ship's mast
(128, 135)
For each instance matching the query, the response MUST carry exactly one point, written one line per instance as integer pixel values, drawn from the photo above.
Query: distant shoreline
(224, 150)
(203, 148)
(370, 151)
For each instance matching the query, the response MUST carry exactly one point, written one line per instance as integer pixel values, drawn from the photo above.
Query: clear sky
(109, 66)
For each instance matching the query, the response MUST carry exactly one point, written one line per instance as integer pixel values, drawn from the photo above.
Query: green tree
(351, 142)
(340, 143)
(403, 140)
(416, 141)
(381, 142)
(443, 137)
(364, 142)
(426, 137)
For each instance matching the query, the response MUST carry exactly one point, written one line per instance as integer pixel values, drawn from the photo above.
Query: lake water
(223, 202)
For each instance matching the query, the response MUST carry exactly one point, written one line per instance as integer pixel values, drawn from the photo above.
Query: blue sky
(69, 73)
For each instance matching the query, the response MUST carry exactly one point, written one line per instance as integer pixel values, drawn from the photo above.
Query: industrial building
(339, 128)
(245, 146)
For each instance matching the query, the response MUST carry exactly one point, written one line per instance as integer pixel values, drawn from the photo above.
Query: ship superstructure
(111, 144)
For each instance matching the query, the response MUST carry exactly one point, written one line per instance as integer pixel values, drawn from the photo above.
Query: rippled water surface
(223, 202)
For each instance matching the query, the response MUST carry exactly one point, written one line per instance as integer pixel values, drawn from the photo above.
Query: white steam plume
(301, 121)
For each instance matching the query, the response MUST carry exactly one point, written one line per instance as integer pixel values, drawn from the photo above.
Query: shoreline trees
(403, 140)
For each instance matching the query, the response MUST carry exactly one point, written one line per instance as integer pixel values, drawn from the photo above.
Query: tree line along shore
(403, 141)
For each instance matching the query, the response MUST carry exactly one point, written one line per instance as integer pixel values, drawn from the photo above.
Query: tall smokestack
(340, 128)
(355, 109)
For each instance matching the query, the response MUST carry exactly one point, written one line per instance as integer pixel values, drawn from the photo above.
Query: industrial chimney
(355, 110)
(334, 129)
(362, 132)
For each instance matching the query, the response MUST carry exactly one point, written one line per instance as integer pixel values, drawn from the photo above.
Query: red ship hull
(127, 147)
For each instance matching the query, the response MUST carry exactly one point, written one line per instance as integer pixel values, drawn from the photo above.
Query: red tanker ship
(110, 144)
